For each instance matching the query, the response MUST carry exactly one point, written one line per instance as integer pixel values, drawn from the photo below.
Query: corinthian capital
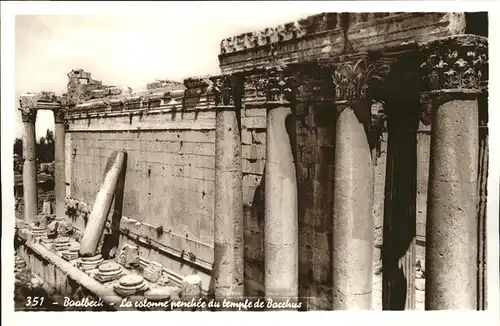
(355, 76)
(59, 115)
(224, 88)
(28, 115)
(276, 84)
(28, 101)
(455, 64)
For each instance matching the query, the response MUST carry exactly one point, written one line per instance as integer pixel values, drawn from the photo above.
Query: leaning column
(353, 184)
(452, 69)
(28, 113)
(228, 217)
(59, 173)
(281, 215)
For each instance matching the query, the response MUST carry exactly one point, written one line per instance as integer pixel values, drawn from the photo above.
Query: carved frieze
(457, 63)
(355, 75)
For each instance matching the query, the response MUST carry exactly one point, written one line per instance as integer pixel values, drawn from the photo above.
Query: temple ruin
(325, 147)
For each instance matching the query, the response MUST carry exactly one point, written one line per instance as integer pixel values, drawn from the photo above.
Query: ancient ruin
(326, 147)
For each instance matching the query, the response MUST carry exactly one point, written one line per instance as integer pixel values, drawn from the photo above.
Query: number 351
(34, 301)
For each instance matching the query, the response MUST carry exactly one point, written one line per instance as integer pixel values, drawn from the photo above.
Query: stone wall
(169, 189)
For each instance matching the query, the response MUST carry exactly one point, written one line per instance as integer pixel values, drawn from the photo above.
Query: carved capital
(276, 85)
(455, 64)
(223, 88)
(28, 115)
(59, 116)
(28, 101)
(355, 76)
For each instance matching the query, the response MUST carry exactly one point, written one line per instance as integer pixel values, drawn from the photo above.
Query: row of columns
(28, 113)
(452, 70)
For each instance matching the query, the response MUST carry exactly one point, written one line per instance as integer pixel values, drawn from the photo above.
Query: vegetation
(44, 150)
(44, 147)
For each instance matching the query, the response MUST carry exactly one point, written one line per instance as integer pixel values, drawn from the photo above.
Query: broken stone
(61, 244)
(130, 284)
(129, 256)
(64, 228)
(161, 293)
(191, 287)
(46, 208)
(52, 229)
(164, 280)
(109, 271)
(89, 263)
(153, 272)
(40, 221)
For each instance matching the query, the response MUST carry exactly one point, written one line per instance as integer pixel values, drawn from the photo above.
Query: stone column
(60, 169)
(353, 183)
(227, 270)
(482, 193)
(402, 107)
(400, 207)
(452, 71)
(281, 215)
(30, 197)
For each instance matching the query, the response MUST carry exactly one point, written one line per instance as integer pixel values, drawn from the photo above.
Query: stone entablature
(335, 34)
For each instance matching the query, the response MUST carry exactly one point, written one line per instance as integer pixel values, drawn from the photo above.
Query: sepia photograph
(308, 161)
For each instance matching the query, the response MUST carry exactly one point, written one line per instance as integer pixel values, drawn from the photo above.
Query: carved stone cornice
(455, 64)
(281, 33)
(28, 115)
(224, 89)
(355, 76)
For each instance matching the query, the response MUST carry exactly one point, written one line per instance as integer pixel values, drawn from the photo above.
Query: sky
(125, 50)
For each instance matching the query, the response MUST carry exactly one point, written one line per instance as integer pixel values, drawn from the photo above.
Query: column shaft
(228, 217)
(482, 194)
(451, 231)
(30, 196)
(482, 190)
(281, 215)
(454, 69)
(352, 215)
(400, 219)
(102, 205)
(60, 169)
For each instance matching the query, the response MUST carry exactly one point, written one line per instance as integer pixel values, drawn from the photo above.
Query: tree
(18, 146)
(45, 148)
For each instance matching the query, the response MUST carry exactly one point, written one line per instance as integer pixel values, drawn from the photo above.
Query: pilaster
(228, 217)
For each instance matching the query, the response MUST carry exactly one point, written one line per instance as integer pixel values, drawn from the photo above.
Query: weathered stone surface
(420, 284)
(102, 204)
(153, 272)
(227, 270)
(191, 287)
(281, 219)
(129, 256)
(352, 216)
